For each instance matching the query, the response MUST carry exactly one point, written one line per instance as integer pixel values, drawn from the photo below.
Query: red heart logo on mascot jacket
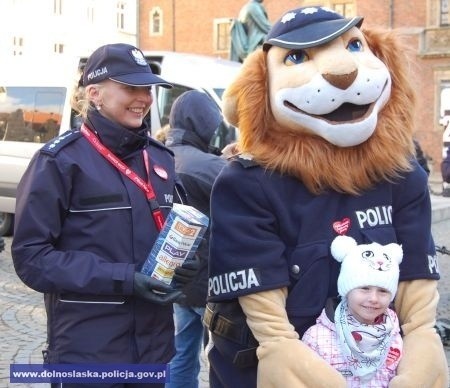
(341, 227)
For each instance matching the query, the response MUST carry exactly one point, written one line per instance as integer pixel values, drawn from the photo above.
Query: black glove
(154, 290)
(186, 273)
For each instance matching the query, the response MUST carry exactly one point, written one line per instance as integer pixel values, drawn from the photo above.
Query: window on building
(17, 45)
(445, 114)
(58, 48)
(90, 14)
(445, 20)
(444, 96)
(57, 7)
(120, 15)
(345, 8)
(222, 38)
(155, 20)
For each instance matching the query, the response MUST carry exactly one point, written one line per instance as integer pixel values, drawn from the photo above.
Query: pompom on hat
(366, 265)
(308, 27)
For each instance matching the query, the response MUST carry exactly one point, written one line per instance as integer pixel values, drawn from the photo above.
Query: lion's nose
(341, 81)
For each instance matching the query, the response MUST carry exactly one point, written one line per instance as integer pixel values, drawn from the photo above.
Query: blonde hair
(79, 100)
(161, 134)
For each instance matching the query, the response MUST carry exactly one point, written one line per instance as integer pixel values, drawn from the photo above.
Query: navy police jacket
(194, 118)
(268, 232)
(81, 231)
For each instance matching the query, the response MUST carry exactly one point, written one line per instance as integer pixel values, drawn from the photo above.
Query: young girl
(361, 336)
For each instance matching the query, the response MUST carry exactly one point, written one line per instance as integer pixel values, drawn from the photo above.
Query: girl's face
(368, 302)
(123, 104)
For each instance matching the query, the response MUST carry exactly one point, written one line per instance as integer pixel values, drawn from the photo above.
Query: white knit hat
(366, 264)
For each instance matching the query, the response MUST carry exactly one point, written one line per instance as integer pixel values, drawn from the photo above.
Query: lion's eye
(296, 57)
(355, 45)
(367, 254)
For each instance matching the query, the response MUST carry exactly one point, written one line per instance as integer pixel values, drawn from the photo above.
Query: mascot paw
(423, 363)
(401, 382)
(404, 380)
(290, 363)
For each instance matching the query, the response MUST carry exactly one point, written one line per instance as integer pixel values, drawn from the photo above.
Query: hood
(197, 114)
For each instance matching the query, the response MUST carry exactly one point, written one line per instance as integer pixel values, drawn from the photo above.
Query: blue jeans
(185, 365)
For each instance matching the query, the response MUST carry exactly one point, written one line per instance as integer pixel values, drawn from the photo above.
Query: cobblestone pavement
(23, 322)
(441, 234)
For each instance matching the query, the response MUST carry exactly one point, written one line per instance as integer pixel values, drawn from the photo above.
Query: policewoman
(89, 208)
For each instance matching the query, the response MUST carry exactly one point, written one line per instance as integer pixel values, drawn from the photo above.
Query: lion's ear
(229, 109)
(244, 100)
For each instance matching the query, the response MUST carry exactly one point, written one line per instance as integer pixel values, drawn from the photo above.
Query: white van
(35, 107)
(191, 71)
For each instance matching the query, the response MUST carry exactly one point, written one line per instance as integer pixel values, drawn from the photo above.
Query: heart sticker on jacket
(341, 227)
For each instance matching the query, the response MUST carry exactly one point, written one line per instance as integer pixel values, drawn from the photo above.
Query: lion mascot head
(326, 101)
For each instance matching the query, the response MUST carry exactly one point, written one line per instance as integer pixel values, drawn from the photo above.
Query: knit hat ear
(395, 252)
(366, 265)
(341, 246)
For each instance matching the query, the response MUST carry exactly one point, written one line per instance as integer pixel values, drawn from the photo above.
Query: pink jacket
(322, 338)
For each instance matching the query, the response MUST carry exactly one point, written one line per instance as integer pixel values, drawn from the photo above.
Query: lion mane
(318, 164)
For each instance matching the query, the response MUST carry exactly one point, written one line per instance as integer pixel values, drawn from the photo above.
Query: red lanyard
(146, 187)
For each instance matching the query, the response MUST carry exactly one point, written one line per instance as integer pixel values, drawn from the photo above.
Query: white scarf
(365, 347)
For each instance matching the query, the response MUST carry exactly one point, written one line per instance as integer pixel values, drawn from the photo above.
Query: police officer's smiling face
(124, 104)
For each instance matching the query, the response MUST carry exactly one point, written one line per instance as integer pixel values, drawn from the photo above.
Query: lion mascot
(325, 113)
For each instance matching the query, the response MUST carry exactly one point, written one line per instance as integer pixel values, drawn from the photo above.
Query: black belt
(239, 334)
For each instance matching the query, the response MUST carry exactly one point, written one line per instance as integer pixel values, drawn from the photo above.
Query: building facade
(76, 27)
(203, 27)
(64, 27)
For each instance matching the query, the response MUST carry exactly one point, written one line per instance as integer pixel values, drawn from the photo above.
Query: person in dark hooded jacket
(193, 120)
(445, 167)
(421, 157)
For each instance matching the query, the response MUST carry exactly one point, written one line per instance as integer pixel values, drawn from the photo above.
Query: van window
(30, 114)
(219, 92)
(225, 133)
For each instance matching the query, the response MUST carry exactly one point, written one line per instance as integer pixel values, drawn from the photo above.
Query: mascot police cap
(308, 27)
